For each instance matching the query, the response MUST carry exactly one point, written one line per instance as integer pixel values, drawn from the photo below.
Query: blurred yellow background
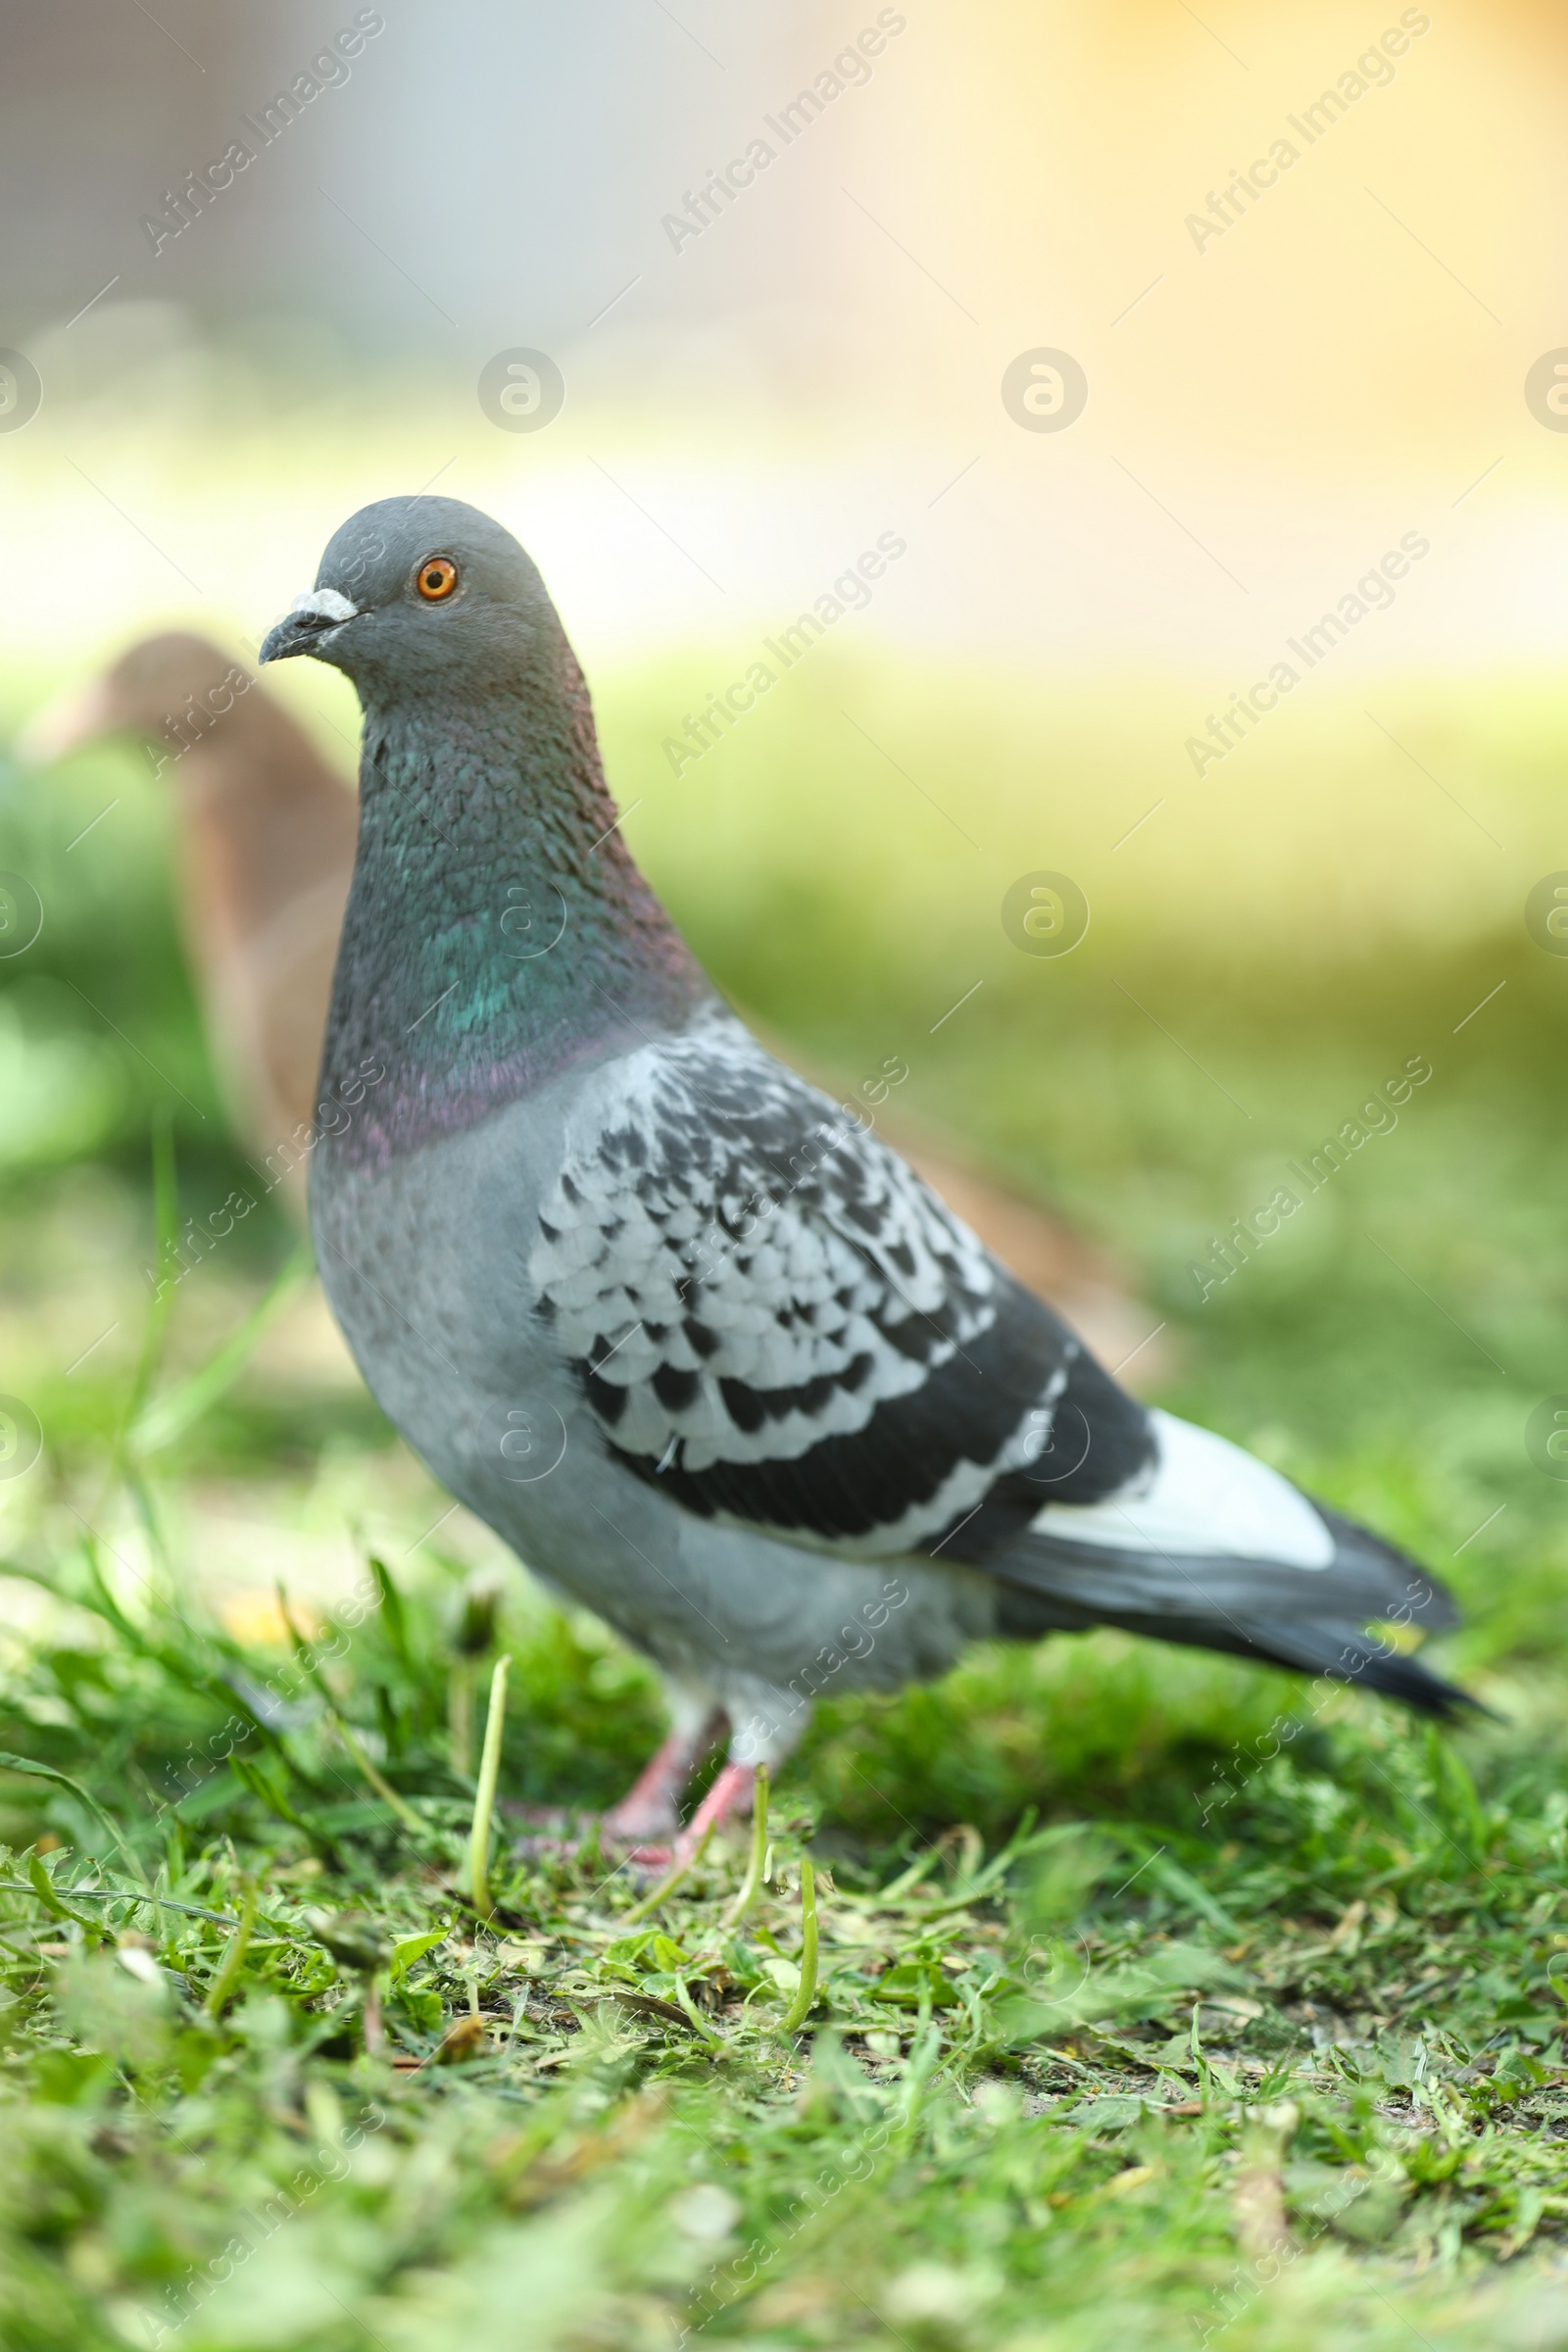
(1269, 409)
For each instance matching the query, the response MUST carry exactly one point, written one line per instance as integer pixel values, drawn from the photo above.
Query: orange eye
(436, 578)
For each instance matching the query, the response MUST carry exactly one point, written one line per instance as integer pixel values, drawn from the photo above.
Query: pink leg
(730, 1793)
(650, 1810)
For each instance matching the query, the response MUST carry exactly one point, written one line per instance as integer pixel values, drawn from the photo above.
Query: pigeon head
(419, 596)
(494, 910)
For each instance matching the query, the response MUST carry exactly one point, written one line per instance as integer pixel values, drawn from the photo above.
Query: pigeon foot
(650, 1810)
(731, 1793)
(645, 1827)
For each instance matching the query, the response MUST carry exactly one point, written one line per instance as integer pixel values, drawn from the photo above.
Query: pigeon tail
(1341, 1652)
(1213, 1549)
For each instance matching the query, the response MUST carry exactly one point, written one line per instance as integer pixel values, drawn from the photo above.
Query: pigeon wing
(773, 1319)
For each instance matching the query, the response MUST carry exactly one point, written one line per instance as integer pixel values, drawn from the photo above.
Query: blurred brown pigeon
(265, 852)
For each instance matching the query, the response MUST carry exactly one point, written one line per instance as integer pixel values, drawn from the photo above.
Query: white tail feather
(1200, 1494)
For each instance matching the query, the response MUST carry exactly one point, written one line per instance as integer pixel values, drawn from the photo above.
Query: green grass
(1259, 2032)
(1157, 1996)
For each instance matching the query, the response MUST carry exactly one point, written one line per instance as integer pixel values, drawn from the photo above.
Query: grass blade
(485, 1796)
(747, 1894)
(376, 1776)
(669, 1882)
(392, 1617)
(62, 1780)
(311, 1666)
(227, 1976)
(806, 1993)
(43, 1888)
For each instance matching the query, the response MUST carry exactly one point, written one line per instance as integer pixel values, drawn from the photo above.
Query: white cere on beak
(328, 603)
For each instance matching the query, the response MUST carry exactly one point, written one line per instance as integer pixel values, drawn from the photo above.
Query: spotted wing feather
(773, 1319)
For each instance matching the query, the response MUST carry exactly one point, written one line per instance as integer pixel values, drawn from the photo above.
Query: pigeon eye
(436, 578)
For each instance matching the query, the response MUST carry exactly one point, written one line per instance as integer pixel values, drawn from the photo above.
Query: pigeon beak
(316, 617)
(78, 716)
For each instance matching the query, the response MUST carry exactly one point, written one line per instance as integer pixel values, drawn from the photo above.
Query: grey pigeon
(694, 1340)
